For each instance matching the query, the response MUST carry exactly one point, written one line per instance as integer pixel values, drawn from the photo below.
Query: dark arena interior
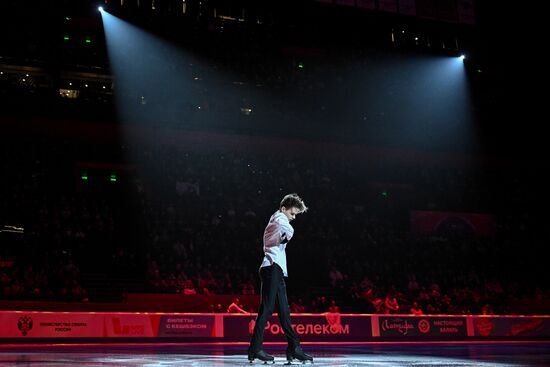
(150, 150)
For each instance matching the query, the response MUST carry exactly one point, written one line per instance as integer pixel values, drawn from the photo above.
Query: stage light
(462, 57)
(100, 8)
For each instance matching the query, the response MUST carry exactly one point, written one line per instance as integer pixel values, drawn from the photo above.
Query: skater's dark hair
(293, 201)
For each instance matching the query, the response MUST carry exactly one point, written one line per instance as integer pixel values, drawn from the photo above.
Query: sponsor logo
(301, 329)
(424, 326)
(402, 326)
(24, 324)
(120, 329)
(484, 326)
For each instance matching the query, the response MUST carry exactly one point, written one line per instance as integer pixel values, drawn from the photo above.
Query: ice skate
(261, 355)
(297, 353)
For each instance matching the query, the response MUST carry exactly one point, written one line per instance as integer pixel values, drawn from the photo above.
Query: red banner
(191, 326)
(516, 327)
(447, 224)
(310, 327)
(50, 325)
(419, 326)
(328, 327)
(130, 325)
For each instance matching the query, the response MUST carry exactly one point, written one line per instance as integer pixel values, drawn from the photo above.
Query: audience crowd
(191, 222)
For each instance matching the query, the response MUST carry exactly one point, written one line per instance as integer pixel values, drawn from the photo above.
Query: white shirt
(276, 236)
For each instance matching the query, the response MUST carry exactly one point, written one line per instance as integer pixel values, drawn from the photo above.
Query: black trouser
(273, 292)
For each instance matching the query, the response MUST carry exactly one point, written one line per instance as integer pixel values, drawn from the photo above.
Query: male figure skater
(273, 290)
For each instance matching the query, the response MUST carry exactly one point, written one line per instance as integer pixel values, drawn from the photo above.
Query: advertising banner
(516, 327)
(401, 326)
(319, 327)
(191, 326)
(50, 325)
(447, 224)
(124, 325)
(218, 327)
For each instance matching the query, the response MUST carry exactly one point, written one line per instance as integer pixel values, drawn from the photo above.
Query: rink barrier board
(223, 327)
